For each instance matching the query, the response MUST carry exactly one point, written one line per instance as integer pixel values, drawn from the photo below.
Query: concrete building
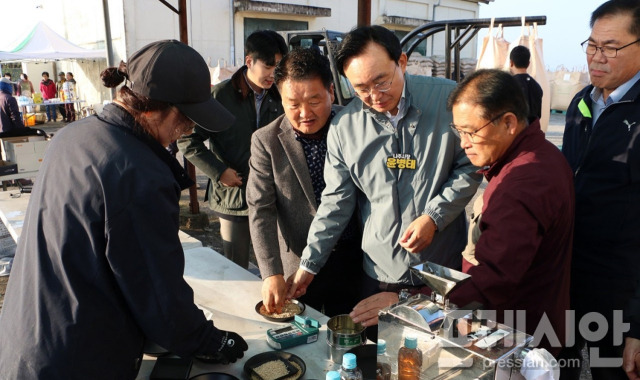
(218, 28)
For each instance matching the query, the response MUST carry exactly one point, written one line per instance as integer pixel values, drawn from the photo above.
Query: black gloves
(232, 348)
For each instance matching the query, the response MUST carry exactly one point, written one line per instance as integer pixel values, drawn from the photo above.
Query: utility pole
(194, 207)
(107, 39)
(364, 12)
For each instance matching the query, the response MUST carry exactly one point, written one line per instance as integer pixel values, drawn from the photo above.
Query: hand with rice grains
(298, 283)
(419, 235)
(274, 291)
(232, 348)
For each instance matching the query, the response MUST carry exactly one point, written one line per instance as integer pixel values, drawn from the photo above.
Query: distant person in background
(10, 118)
(48, 90)
(13, 84)
(59, 84)
(520, 59)
(69, 88)
(24, 87)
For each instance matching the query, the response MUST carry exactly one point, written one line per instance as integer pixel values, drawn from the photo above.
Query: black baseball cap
(173, 72)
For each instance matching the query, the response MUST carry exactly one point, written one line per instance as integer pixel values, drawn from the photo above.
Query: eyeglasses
(380, 87)
(471, 135)
(607, 51)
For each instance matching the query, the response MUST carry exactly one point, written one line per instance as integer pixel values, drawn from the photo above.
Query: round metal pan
(284, 319)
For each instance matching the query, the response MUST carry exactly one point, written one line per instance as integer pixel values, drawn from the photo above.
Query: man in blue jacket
(392, 154)
(602, 146)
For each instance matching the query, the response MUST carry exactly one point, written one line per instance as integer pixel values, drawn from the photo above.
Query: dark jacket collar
(631, 95)
(242, 88)
(117, 116)
(528, 139)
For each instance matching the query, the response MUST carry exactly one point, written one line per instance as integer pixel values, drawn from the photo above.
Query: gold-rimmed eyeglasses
(379, 87)
(608, 51)
(473, 134)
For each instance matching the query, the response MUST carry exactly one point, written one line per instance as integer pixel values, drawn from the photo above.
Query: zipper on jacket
(589, 132)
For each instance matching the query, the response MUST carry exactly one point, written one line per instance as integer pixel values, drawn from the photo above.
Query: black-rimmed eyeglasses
(608, 51)
(471, 135)
(379, 87)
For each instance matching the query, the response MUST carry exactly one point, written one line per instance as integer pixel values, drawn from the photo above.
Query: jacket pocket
(231, 198)
(274, 109)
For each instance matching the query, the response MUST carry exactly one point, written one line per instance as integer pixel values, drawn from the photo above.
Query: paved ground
(556, 128)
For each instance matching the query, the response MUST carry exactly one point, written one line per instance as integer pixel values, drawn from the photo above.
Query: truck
(458, 33)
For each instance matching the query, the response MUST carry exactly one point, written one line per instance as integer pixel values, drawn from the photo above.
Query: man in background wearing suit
(285, 186)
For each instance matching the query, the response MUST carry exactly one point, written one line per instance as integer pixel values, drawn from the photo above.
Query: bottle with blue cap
(350, 370)
(384, 363)
(333, 375)
(409, 360)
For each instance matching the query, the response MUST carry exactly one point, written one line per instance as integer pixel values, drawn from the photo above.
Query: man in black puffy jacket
(602, 144)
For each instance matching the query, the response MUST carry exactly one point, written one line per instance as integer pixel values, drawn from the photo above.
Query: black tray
(259, 359)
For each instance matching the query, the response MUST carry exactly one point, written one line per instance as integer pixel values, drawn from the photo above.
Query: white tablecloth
(231, 293)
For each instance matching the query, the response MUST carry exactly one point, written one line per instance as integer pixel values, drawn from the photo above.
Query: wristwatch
(403, 295)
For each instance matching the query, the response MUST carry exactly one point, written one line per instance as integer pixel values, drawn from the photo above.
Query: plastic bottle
(409, 360)
(384, 363)
(333, 375)
(350, 370)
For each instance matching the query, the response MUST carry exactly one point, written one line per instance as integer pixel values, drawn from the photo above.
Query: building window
(253, 24)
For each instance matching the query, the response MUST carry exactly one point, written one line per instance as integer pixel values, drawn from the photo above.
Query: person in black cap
(99, 265)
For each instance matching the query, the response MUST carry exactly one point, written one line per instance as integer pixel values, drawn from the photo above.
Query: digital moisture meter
(302, 330)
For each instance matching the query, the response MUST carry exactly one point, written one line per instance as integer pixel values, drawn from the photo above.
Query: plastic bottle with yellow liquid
(409, 360)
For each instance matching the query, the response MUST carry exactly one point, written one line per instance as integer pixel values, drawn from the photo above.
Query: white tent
(42, 43)
(6, 56)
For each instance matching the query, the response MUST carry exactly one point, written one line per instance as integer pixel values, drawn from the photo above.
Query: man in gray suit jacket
(285, 185)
